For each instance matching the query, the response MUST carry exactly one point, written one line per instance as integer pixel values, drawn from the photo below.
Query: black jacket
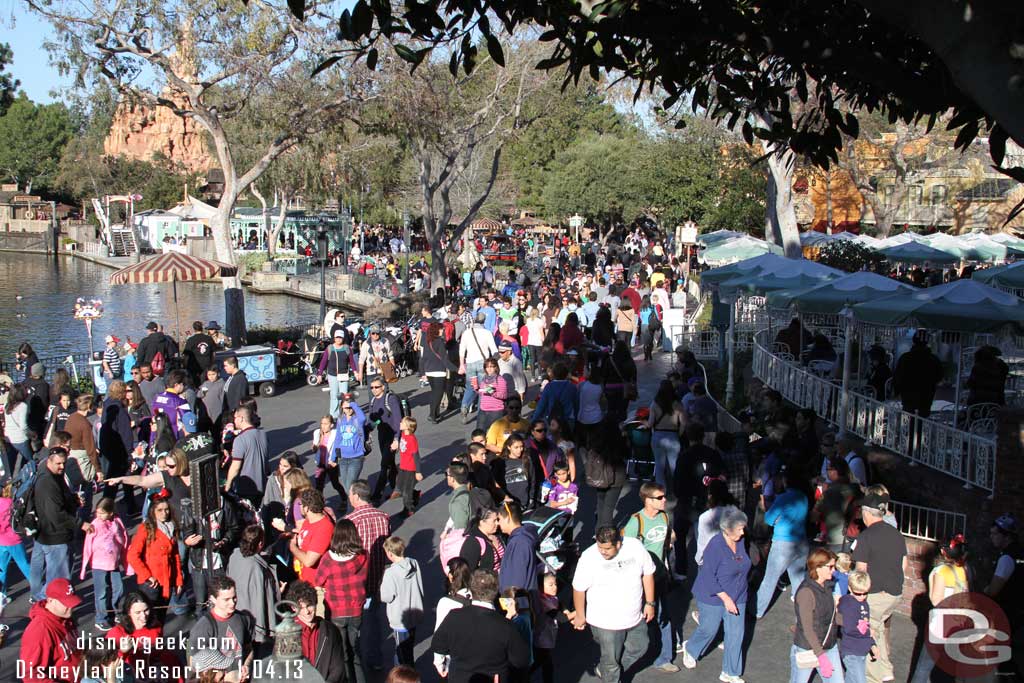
(435, 358)
(37, 394)
(329, 659)
(199, 350)
(235, 390)
(482, 644)
(917, 372)
(153, 342)
(55, 506)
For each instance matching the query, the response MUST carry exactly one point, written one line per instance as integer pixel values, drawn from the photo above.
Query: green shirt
(654, 533)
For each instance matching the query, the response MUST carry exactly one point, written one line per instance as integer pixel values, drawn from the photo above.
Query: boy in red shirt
(408, 464)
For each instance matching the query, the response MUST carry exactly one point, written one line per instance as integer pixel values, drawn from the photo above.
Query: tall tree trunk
(271, 244)
(275, 232)
(781, 225)
(829, 217)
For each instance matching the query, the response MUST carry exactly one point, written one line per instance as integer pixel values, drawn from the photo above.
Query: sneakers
(726, 678)
(688, 661)
(695, 615)
(667, 667)
(4, 601)
(103, 628)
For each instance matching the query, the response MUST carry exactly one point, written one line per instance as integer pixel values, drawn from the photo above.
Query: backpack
(24, 519)
(867, 470)
(480, 499)
(158, 364)
(451, 545)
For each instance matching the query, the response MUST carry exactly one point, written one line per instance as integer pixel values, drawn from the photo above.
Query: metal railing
(51, 363)
(703, 342)
(963, 455)
(927, 524)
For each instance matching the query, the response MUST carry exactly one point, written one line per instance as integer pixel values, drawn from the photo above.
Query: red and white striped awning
(172, 267)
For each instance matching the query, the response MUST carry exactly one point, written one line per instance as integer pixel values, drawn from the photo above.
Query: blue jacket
(788, 514)
(558, 391)
(722, 571)
(349, 436)
(519, 564)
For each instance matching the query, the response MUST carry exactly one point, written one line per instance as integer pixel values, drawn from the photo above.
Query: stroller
(552, 527)
(640, 462)
(309, 361)
(400, 336)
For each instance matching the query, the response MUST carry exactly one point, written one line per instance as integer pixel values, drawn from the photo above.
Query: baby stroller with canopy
(309, 361)
(400, 336)
(640, 462)
(552, 527)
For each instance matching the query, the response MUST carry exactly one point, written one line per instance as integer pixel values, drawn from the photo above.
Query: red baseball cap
(63, 592)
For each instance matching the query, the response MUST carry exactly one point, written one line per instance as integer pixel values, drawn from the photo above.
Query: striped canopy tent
(172, 267)
(487, 225)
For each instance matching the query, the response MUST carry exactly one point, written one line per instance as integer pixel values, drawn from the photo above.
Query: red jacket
(157, 558)
(48, 647)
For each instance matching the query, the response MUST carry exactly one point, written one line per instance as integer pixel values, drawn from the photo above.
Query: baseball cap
(111, 338)
(37, 370)
(151, 325)
(63, 592)
(1006, 523)
(505, 346)
(190, 422)
(875, 501)
(340, 332)
(694, 381)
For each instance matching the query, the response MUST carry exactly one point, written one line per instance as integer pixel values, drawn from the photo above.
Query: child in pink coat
(106, 552)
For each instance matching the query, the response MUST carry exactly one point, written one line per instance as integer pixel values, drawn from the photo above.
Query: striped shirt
(111, 358)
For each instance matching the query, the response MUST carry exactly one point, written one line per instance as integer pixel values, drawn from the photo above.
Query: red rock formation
(140, 132)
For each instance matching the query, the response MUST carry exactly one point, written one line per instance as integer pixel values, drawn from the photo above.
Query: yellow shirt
(499, 432)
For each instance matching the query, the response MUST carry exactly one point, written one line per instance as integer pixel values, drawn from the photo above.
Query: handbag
(387, 371)
(600, 472)
(806, 659)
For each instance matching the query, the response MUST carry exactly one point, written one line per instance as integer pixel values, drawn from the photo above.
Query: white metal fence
(703, 342)
(968, 457)
(927, 524)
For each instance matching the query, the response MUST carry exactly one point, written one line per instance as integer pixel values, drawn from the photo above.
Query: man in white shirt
(613, 591)
(475, 346)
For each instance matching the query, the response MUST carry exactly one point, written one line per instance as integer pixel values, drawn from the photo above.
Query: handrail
(927, 523)
(968, 457)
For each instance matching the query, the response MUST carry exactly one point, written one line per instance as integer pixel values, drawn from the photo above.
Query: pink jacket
(8, 536)
(106, 547)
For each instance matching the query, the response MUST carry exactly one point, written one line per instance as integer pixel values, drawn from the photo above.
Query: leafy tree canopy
(739, 60)
(7, 82)
(34, 135)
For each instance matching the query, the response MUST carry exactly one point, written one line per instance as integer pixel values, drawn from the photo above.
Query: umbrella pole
(959, 372)
(177, 322)
(847, 362)
(731, 341)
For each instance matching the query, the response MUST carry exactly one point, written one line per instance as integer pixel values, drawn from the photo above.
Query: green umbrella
(918, 252)
(711, 238)
(832, 296)
(1010, 276)
(791, 274)
(738, 249)
(959, 306)
(749, 267)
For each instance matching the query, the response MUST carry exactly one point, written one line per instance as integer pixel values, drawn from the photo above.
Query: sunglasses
(661, 497)
(858, 595)
(540, 430)
(376, 386)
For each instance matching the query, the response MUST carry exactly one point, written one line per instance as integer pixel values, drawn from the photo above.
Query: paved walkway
(290, 418)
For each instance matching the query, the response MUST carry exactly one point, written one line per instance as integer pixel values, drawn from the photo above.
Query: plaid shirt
(373, 526)
(737, 471)
(344, 584)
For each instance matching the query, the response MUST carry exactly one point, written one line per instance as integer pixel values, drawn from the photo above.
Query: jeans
(338, 387)
(474, 369)
(439, 387)
(607, 499)
(666, 448)
(348, 472)
(404, 642)
(24, 450)
(349, 627)
(620, 649)
(711, 616)
(106, 610)
(485, 418)
(12, 552)
(785, 556)
(798, 675)
(49, 562)
(388, 468)
(371, 632)
(666, 629)
(856, 667)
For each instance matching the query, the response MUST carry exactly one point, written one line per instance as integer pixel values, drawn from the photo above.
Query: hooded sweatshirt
(519, 565)
(48, 647)
(402, 592)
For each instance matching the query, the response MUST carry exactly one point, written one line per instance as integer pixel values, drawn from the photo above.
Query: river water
(48, 290)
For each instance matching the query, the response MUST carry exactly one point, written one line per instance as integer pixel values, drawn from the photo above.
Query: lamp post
(405, 241)
(321, 243)
(346, 237)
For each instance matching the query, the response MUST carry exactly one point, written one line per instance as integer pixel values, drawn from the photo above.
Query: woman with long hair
(138, 412)
(61, 381)
(457, 574)
(117, 441)
(620, 385)
(560, 434)
(667, 421)
(11, 546)
(650, 324)
(606, 470)
(625, 322)
(493, 391)
(542, 452)
(26, 358)
(439, 369)
(483, 547)
(514, 472)
(342, 574)
(602, 328)
(153, 553)
(16, 430)
(137, 634)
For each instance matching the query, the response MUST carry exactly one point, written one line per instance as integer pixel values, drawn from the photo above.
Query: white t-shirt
(614, 588)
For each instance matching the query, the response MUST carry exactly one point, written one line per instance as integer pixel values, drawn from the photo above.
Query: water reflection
(42, 315)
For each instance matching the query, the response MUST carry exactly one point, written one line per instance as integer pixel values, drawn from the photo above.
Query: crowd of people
(547, 366)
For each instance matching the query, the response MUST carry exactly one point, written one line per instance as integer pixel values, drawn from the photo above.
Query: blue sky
(26, 33)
